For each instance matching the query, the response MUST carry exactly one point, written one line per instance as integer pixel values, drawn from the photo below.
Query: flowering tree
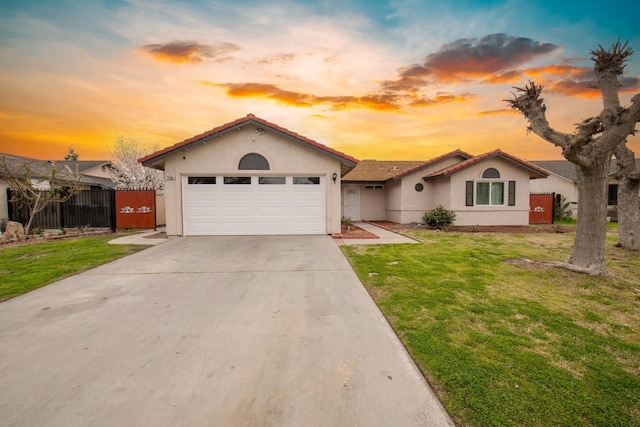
(127, 172)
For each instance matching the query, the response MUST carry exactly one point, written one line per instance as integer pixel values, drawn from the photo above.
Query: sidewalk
(143, 238)
(386, 236)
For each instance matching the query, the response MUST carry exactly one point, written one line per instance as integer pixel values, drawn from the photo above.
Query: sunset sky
(396, 79)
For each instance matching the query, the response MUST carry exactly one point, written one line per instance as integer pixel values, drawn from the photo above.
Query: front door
(351, 203)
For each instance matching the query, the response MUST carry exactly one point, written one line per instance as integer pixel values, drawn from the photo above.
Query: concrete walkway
(210, 331)
(386, 236)
(149, 237)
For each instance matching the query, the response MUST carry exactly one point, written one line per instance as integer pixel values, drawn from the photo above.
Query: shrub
(439, 217)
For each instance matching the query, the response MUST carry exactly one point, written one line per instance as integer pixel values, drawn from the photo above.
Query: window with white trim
(490, 191)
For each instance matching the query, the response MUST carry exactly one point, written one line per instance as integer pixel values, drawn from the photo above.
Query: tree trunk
(591, 228)
(628, 202)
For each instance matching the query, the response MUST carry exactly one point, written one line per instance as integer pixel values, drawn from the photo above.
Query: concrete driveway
(210, 331)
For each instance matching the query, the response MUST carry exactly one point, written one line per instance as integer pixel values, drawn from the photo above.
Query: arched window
(491, 173)
(253, 161)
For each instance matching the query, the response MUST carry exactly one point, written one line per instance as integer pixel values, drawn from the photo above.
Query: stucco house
(251, 176)
(563, 178)
(489, 189)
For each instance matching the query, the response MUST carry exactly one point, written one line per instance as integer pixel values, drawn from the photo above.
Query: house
(251, 176)
(489, 189)
(563, 181)
(40, 172)
(248, 177)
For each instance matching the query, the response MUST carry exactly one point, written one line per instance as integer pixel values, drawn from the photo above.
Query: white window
(490, 193)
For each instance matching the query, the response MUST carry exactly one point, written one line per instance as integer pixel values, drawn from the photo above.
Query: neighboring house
(95, 173)
(563, 181)
(490, 189)
(251, 176)
(41, 169)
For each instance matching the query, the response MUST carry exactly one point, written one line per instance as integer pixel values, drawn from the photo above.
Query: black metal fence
(87, 208)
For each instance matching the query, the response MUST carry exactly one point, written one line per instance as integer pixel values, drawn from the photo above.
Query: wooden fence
(112, 209)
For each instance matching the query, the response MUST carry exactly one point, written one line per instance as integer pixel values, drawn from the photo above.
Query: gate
(541, 208)
(135, 209)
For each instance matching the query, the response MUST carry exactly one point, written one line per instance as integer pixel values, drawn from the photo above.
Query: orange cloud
(181, 52)
(384, 101)
(442, 98)
(497, 112)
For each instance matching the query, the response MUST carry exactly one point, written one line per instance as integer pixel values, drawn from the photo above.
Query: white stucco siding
(220, 156)
(491, 215)
(393, 190)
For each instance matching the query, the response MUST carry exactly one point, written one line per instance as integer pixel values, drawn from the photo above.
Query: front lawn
(507, 342)
(30, 266)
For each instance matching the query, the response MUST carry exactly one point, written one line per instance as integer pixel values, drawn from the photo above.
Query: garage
(251, 177)
(254, 205)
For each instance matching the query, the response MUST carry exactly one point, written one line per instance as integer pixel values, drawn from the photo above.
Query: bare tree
(127, 172)
(590, 148)
(26, 177)
(628, 203)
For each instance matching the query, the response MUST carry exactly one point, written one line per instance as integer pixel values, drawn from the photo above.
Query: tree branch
(532, 107)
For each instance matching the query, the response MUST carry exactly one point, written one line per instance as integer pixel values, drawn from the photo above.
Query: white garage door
(250, 205)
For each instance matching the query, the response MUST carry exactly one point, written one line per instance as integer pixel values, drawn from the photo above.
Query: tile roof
(379, 170)
(154, 159)
(384, 170)
(534, 171)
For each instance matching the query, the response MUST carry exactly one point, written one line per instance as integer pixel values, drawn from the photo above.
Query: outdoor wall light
(335, 176)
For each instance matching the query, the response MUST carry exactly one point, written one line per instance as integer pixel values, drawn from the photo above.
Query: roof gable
(384, 170)
(534, 171)
(157, 159)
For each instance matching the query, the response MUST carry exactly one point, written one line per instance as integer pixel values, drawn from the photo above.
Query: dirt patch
(511, 229)
(354, 232)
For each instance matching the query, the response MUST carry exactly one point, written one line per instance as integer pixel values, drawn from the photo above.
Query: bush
(439, 217)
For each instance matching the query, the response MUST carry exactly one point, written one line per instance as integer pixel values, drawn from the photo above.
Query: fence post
(113, 209)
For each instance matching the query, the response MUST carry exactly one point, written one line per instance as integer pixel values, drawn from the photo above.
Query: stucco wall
(413, 204)
(559, 185)
(372, 203)
(490, 215)
(221, 156)
(393, 190)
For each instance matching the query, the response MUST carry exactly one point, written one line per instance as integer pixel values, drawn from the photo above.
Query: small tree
(71, 155)
(127, 172)
(439, 217)
(24, 175)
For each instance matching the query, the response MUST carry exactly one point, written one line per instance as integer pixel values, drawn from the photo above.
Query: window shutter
(512, 193)
(469, 194)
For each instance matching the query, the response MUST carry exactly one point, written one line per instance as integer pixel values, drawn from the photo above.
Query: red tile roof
(535, 171)
(384, 170)
(250, 118)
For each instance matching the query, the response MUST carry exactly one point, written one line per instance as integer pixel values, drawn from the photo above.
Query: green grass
(27, 267)
(507, 342)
